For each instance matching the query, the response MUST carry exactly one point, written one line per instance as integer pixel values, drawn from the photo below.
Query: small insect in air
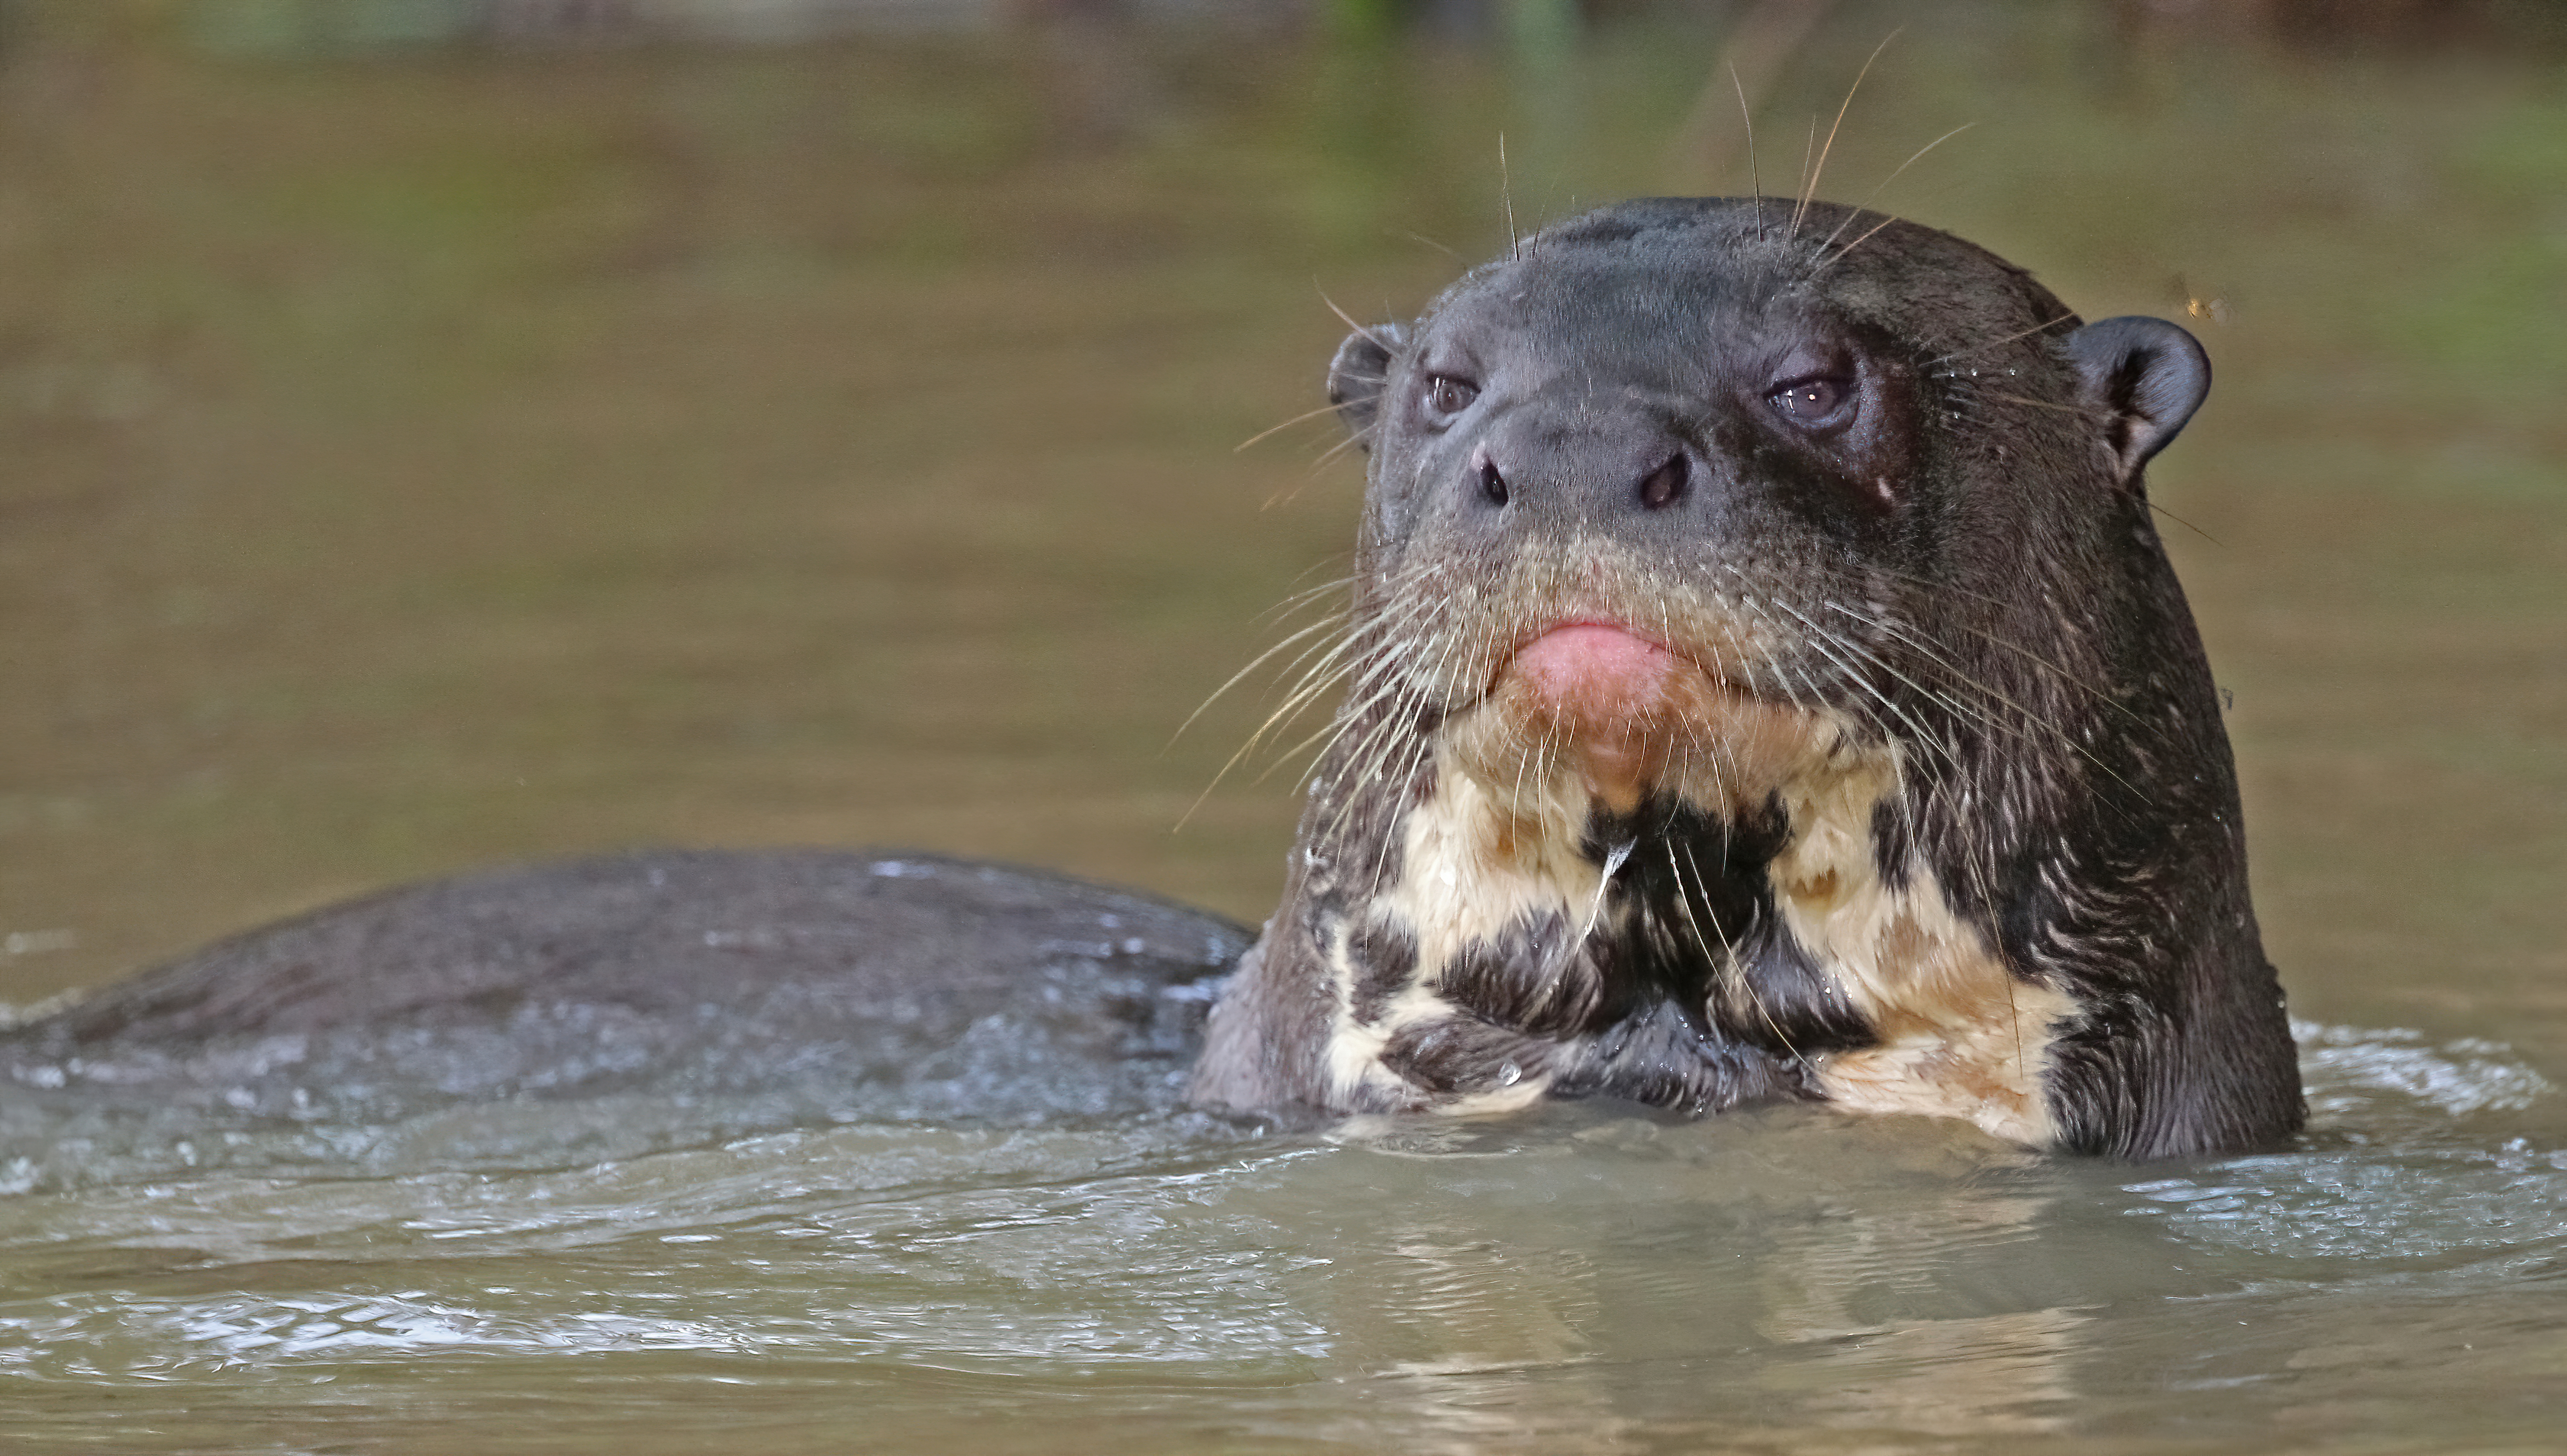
(2211, 310)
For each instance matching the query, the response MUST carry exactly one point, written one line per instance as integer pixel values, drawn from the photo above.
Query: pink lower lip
(1600, 670)
(1602, 623)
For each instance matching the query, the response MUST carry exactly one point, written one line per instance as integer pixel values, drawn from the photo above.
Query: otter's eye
(1811, 402)
(1447, 397)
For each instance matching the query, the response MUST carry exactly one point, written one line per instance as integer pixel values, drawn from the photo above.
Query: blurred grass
(458, 455)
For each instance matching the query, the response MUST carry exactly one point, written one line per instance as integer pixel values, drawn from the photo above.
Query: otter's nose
(1655, 487)
(1666, 485)
(1485, 475)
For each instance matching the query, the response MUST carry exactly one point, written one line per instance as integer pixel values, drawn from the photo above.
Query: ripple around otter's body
(1519, 1284)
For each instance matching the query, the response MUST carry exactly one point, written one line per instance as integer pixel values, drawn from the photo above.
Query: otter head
(1682, 499)
(1766, 682)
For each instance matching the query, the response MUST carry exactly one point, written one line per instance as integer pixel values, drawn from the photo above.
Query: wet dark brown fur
(1935, 812)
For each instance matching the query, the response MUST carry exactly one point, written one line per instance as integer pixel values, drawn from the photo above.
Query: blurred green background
(435, 433)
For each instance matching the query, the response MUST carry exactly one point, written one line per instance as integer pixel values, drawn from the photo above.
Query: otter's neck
(1459, 948)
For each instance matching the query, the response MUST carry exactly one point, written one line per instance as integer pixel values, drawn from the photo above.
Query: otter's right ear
(1358, 373)
(2146, 377)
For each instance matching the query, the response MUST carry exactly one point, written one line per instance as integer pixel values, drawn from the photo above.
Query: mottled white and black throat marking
(1727, 957)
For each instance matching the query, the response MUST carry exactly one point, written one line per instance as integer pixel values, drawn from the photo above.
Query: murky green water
(432, 460)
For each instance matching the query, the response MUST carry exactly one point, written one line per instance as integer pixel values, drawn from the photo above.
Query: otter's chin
(1596, 712)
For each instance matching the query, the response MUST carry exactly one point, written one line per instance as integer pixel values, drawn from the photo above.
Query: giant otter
(1766, 684)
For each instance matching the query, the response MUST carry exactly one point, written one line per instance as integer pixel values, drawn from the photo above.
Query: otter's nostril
(1666, 485)
(1491, 484)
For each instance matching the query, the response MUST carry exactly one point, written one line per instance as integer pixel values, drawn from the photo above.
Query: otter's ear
(2146, 377)
(1358, 373)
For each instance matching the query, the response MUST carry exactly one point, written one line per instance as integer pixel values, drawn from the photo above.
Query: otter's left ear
(2146, 377)
(1360, 373)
